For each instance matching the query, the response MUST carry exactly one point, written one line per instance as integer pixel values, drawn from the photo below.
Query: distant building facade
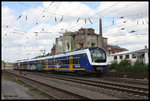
(111, 49)
(141, 55)
(84, 37)
(79, 39)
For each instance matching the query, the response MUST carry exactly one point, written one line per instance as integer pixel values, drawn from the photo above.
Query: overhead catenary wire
(105, 9)
(41, 16)
(65, 15)
(124, 22)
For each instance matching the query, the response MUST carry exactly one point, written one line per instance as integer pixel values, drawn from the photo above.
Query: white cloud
(8, 18)
(123, 8)
(126, 31)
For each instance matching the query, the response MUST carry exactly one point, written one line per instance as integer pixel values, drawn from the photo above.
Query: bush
(112, 66)
(126, 66)
(123, 66)
(140, 67)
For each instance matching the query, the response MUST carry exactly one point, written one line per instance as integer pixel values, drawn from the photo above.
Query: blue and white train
(86, 60)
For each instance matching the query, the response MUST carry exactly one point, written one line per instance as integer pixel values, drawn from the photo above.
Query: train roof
(74, 52)
(57, 55)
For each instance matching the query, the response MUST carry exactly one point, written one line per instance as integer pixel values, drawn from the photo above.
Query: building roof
(117, 47)
(132, 51)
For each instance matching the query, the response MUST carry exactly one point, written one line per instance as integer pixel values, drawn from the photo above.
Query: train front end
(97, 59)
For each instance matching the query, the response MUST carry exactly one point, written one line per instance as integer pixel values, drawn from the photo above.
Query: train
(89, 60)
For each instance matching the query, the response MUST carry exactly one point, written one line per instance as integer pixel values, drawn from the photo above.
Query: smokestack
(100, 27)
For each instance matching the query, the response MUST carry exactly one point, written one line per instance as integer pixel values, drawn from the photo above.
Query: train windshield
(97, 55)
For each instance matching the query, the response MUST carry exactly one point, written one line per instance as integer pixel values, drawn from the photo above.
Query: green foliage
(125, 66)
(33, 87)
(3, 64)
(112, 66)
(140, 67)
(15, 79)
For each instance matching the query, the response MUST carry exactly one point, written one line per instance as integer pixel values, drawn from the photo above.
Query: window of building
(127, 56)
(110, 52)
(81, 45)
(133, 56)
(120, 56)
(115, 57)
(109, 48)
(92, 44)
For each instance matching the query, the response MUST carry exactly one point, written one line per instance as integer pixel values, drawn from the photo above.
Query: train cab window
(98, 55)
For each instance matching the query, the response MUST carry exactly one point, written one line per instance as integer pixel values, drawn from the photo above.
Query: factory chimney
(100, 27)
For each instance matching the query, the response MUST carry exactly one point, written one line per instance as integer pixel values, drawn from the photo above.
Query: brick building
(111, 49)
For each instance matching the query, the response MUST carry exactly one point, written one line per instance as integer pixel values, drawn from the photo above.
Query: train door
(19, 65)
(70, 63)
(46, 64)
(28, 66)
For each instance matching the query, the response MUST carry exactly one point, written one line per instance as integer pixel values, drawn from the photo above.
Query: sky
(29, 27)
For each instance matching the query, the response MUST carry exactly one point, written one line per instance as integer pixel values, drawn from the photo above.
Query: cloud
(127, 30)
(8, 18)
(123, 8)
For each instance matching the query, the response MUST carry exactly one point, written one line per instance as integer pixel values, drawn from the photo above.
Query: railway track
(131, 89)
(123, 88)
(52, 91)
(114, 79)
(128, 75)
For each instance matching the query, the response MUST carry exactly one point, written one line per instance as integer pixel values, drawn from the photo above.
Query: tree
(3, 64)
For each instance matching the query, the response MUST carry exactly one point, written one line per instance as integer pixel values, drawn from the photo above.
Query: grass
(33, 87)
